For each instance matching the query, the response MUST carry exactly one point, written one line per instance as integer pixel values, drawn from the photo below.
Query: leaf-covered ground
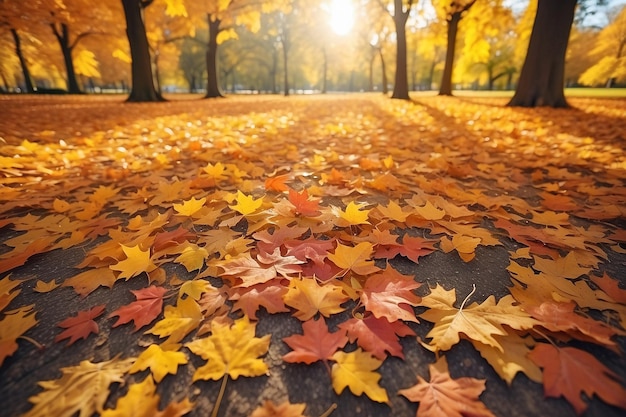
(350, 255)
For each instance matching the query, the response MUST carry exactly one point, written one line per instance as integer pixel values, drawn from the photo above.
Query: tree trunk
(274, 71)
(141, 68)
(212, 88)
(285, 43)
(541, 81)
(157, 75)
(401, 84)
(371, 73)
(445, 89)
(431, 74)
(324, 71)
(63, 37)
(383, 69)
(25, 72)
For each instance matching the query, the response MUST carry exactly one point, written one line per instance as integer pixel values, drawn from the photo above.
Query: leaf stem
(332, 408)
(542, 334)
(467, 298)
(33, 341)
(216, 409)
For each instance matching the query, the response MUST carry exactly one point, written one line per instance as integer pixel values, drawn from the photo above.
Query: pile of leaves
(193, 223)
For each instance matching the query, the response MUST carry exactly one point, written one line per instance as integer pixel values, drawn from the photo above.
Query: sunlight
(341, 16)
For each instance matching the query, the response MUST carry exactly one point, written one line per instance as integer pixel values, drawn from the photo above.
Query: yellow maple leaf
(246, 204)
(393, 212)
(232, 351)
(43, 287)
(136, 262)
(478, 322)
(12, 326)
(217, 171)
(563, 267)
(356, 259)
(430, 212)
(192, 257)
(141, 400)
(512, 358)
(464, 245)
(8, 291)
(195, 288)
(61, 206)
(353, 215)
(178, 321)
(82, 389)
(161, 362)
(189, 207)
(309, 298)
(356, 370)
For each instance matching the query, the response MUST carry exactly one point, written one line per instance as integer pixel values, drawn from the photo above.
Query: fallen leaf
(12, 326)
(315, 344)
(143, 311)
(570, 372)
(444, 396)
(137, 261)
(354, 258)
(80, 326)
(231, 350)
(161, 362)
(309, 298)
(285, 409)
(356, 370)
(81, 389)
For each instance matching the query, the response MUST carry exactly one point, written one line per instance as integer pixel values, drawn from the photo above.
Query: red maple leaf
(80, 326)
(302, 204)
(317, 343)
(390, 294)
(377, 336)
(143, 311)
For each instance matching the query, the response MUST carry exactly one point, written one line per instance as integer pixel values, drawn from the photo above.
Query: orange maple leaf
(569, 372)
(390, 294)
(302, 204)
(444, 396)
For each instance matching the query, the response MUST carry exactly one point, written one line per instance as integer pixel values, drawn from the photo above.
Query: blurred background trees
(298, 46)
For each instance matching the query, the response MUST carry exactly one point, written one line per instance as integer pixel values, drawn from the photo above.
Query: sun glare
(341, 16)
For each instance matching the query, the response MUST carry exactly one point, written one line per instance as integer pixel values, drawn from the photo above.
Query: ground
(458, 229)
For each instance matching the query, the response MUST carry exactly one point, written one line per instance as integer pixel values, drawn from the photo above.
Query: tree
(488, 45)
(10, 18)
(542, 78)
(142, 89)
(610, 53)
(453, 11)
(401, 11)
(221, 19)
